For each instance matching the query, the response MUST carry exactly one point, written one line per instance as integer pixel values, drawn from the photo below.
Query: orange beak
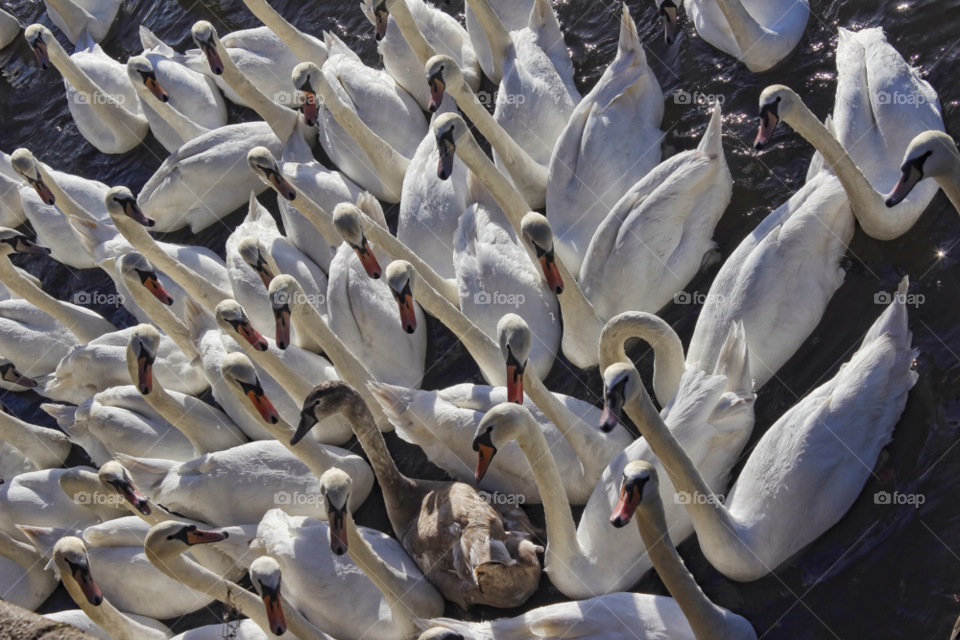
(156, 89)
(263, 406)
(278, 624)
(368, 260)
(768, 122)
(89, 588)
(408, 317)
(133, 495)
(153, 286)
(550, 271)
(43, 191)
(198, 536)
(626, 506)
(311, 112)
(252, 336)
(282, 186)
(484, 458)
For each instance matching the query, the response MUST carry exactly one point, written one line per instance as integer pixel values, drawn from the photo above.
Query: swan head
(113, 474)
(122, 204)
(309, 80)
(381, 12)
(932, 153)
(285, 292)
(141, 356)
(255, 255)
(134, 265)
(639, 485)
(335, 488)
(70, 558)
(776, 103)
(37, 36)
(140, 69)
(10, 373)
(621, 384)
(238, 372)
(449, 129)
(439, 633)
(12, 241)
(263, 164)
(441, 71)
(537, 232)
(234, 321)
(346, 218)
(206, 38)
(667, 10)
(514, 337)
(401, 277)
(502, 424)
(27, 167)
(265, 576)
(169, 539)
(326, 399)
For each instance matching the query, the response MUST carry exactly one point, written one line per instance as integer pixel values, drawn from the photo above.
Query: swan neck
(668, 367)
(164, 318)
(411, 32)
(305, 49)
(583, 438)
(106, 616)
(72, 14)
(509, 199)
(705, 618)
(45, 448)
(65, 201)
(746, 31)
(186, 128)
(951, 183)
(374, 567)
(317, 215)
(561, 529)
(291, 381)
(282, 121)
(497, 35)
(579, 312)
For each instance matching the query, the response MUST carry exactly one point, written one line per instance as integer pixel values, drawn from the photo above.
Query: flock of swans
(308, 337)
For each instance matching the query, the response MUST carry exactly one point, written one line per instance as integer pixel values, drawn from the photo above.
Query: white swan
(788, 494)
(73, 17)
(513, 14)
(34, 342)
(443, 423)
(43, 448)
(410, 32)
(71, 194)
(932, 154)
(101, 99)
(882, 103)
(760, 34)
(24, 579)
(156, 77)
(653, 241)
(610, 143)
(304, 46)
(536, 95)
(369, 123)
(9, 28)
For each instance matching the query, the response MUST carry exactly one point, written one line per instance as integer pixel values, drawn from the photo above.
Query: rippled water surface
(882, 572)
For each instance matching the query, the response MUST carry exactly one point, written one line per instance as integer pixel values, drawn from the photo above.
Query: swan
(788, 492)
(9, 28)
(931, 154)
(12, 379)
(290, 303)
(256, 252)
(513, 14)
(304, 46)
(71, 194)
(610, 143)
(874, 125)
(382, 596)
(73, 17)
(199, 271)
(207, 428)
(42, 448)
(25, 581)
(165, 545)
(485, 551)
(121, 421)
(370, 145)
(653, 241)
(304, 371)
(78, 619)
(760, 34)
(34, 341)
(443, 422)
(354, 226)
(410, 32)
(495, 270)
(322, 189)
(156, 78)
(536, 95)
(529, 176)
(101, 99)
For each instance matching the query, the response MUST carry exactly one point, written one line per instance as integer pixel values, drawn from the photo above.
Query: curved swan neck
(561, 530)
(282, 121)
(103, 104)
(746, 31)
(668, 367)
(411, 32)
(389, 165)
(706, 619)
(291, 381)
(72, 14)
(107, 617)
(85, 326)
(65, 202)
(509, 199)
(381, 574)
(481, 346)
(163, 317)
(497, 35)
(304, 48)
(186, 128)
(578, 312)
(45, 448)
(951, 183)
(317, 215)
(389, 244)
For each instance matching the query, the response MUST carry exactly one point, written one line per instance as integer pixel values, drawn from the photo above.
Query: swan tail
(148, 473)
(893, 321)
(734, 361)
(336, 46)
(629, 38)
(371, 206)
(91, 234)
(546, 28)
(85, 42)
(712, 142)
(197, 319)
(65, 416)
(395, 402)
(45, 538)
(367, 9)
(151, 43)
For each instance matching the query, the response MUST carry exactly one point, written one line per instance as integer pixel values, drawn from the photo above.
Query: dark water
(882, 572)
